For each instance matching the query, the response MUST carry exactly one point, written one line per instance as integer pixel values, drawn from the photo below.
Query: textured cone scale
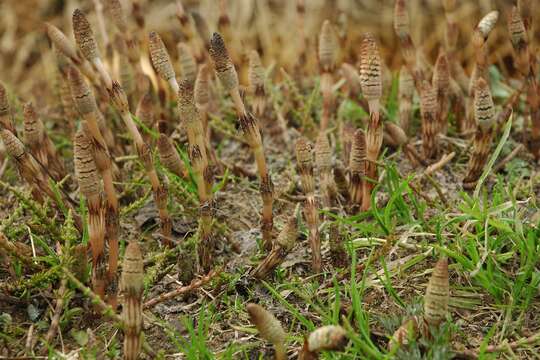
(428, 109)
(82, 94)
(62, 43)
(160, 57)
(188, 65)
(370, 68)
(269, 327)
(85, 167)
(132, 286)
(84, 37)
(437, 294)
(487, 23)
(14, 146)
(518, 33)
(202, 90)
(223, 63)
(327, 47)
(402, 25)
(330, 337)
(255, 73)
(116, 13)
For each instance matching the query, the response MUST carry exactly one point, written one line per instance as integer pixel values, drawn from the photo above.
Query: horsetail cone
(283, 244)
(516, 27)
(269, 328)
(484, 113)
(5, 113)
(34, 130)
(428, 110)
(330, 337)
(188, 65)
(202, 89)
(437, 294)
(487, 23)
(14, 146)
(327, 48)
(169, 156)
(304, 158)
(484, 109)
(82, 94)
(402, 25)
(406, 92)
(84, 36)
(222, 62)
(160, 57)
(323, 154)
(116, 13)
(132, 286)
(145, 111)
(370, 69)
(256, 74)
(441, 74)
(62, 43)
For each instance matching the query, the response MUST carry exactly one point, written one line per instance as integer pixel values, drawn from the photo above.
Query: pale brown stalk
(250, 129)
(371, 81)
(132, 287)
(403, 32)
(304, 161)
(119, 100)
(202, 98)
(269, 328)
(281, 247)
